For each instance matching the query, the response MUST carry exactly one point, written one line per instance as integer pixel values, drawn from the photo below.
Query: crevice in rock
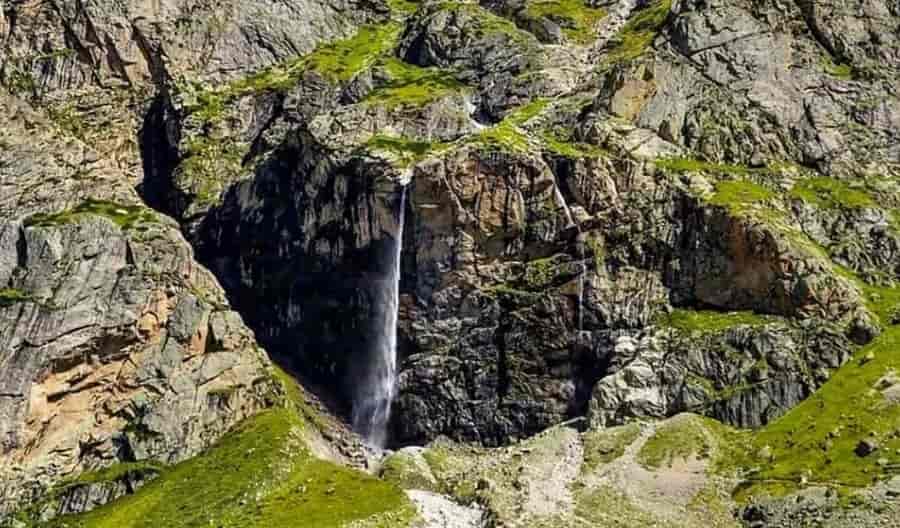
(808, 10)
(589, 368)
(159, 157)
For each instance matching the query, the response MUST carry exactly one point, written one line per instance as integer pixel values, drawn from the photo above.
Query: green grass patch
(680, 438)
(691, 436)
(403, 470)
(405, 151)
(488, 24)
(403, 7)
(124, 216)
(260, 475)
(554, 144)
(507, 135)
(602, 446)
(638, 33)
(737, 195)
(577, 20)
(816, 440)
(540, 273)
(607, 506)
(11, 296)
(829, 193)
(841, 71)
(342, 60)
(502, 137)
(207, 166)
(337, 61)
(413, 86)
(883, 301)
(710, 321)
(116, 472)
(695, 165)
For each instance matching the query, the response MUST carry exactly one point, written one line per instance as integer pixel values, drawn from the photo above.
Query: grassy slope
(816, 440)
(259, 475)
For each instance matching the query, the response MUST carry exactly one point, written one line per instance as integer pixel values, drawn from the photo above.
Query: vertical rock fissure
(374, 394)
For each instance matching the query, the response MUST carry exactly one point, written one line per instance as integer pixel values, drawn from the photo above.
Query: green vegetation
(259, 475)
(815, 442)
(11, 296)
(638, 33)
(569, 149)
(403, 7)
(689, 435)
(413, 86)
(695, 165)
(124, 216)
(829, 193)
(710, 321)
(540, 273)
(511, 296)
(737, 195)
(841, 71)
(598, 251)
(338, 61)
(681, 438)
(116, 472)
(883, 301)
(508, 135)
(502, 137)
(526, 112)
(404, 471)
(406, 152)
(602, 446)
(68, 118)
(577, 20)
(606, 506)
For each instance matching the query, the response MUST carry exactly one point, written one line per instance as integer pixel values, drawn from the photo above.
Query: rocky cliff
(615, 210)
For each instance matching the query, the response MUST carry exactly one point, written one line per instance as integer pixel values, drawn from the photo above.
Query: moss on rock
(124, 216)
(638, 33)
(710, 321)
(577, 20)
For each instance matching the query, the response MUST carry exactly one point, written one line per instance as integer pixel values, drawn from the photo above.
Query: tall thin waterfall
(581, 284)
(375, 393)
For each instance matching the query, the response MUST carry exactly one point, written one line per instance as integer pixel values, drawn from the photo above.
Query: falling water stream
(581, 284)
(375, 392)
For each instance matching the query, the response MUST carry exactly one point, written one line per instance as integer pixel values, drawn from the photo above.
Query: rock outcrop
(115, 345)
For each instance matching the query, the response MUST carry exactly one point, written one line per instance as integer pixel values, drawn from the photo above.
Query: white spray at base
(375, 393)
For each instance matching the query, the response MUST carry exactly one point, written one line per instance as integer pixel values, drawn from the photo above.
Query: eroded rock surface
(116, 345)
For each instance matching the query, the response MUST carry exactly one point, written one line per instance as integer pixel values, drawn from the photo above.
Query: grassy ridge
(262, 474)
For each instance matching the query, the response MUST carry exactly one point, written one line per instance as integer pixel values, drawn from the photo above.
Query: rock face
(115, 345)
(565, 196)
(618, 210)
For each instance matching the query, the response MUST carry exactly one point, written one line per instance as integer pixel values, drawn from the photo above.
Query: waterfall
(375, 392)
(581, 285)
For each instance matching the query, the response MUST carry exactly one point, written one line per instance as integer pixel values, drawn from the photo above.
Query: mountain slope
(617, 212)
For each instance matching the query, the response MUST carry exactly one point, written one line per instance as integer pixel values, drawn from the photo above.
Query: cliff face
(569, 189)
(116, 345)
(615, 210)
